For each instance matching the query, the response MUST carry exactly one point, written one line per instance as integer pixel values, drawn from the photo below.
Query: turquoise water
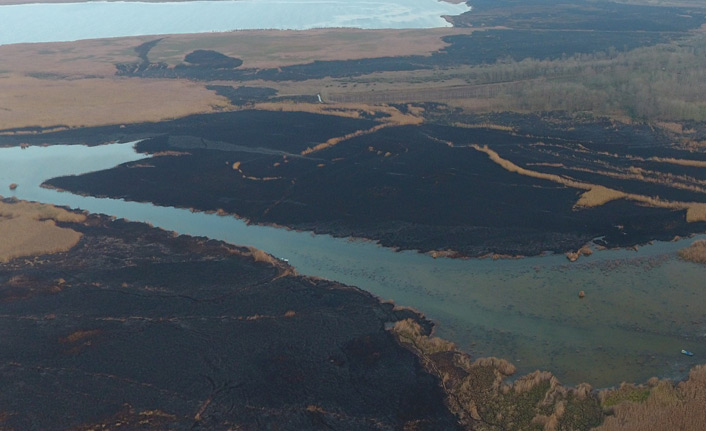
(641, 307)
(54, 22)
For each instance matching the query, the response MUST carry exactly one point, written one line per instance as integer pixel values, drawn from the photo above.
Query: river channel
(641, 307)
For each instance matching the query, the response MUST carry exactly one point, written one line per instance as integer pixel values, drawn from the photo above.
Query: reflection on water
(641, 307)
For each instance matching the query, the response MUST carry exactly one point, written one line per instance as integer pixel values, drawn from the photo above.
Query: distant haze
(55, 22)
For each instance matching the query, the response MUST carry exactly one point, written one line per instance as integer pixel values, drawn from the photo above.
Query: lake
(641, 307)
(57, 22)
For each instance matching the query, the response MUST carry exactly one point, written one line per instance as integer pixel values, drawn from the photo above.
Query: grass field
(29, 229)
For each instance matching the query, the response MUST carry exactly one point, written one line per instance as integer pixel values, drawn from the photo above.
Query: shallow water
(54, 22)
(641, 307)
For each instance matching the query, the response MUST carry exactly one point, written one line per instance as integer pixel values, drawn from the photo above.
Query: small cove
(641, 307)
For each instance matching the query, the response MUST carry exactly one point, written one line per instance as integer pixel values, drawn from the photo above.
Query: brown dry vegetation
(336, 140)
(696, 252)
(74, 84)
(261, 256)
(682, 182)
(597, 195)
(583, 251)
(391, 114)
(38, 211)
(392, 117)
(682, 162)
(79, 336)
(277, 48)
(667, 407)
(27, 101)
(29, 229)
(480, 395)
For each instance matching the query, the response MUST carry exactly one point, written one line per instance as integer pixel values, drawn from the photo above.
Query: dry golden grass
(696, 252)
(696, 212)
(668, 407)
(278, 48)
(583, 251)
(23, 237)
(509, 166)
(532, 380)
(682, 162)
(29, 229)
(682, 182)
(671, 126)
(348, 110)
(491, 126)
(261, 256)
(74, 84)
(336, 140)
(79, 335)
(551, 165)
(38, 211)
(597, 195)
(72, 60)
(503, 366)
(27, 101)
(410, 332)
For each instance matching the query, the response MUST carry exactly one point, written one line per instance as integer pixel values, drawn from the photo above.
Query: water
(91, 20)
(641, 307)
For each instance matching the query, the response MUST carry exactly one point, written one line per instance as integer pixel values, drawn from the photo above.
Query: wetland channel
(641, 307)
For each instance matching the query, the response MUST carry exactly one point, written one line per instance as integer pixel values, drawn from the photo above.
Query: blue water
(641, 307)
(56, 22)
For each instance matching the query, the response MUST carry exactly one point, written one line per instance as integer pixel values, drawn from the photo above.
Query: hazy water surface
(642, 307)
(54, 22)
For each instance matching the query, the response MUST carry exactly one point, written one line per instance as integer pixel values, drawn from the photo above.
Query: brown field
(27, 101)
(682, 182)
(29, 229)
(668, 407)
(681, 162)
(81, 88)
(597, 195)
(696, 252)
(74, 84)
(38, 211)
(277, 48)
